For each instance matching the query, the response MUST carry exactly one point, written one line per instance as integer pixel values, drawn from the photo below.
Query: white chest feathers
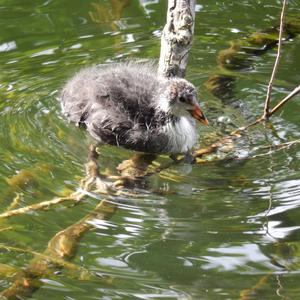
(182, 135)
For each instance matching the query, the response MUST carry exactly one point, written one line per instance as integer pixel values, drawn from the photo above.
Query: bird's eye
(181, 99)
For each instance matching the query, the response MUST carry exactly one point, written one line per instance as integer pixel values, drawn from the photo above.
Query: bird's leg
(103, 186)
(134, 170)
(93, 176)
(91, 168)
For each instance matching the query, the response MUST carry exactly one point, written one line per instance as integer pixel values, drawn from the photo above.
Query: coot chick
(129, 105)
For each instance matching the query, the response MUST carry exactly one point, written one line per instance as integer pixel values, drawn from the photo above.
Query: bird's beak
(198, 114)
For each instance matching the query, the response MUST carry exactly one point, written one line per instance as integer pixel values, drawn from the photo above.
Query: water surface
(225, 230)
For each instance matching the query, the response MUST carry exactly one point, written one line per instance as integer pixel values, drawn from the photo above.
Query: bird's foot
(104, 187)
(174, 157)
(189, 158)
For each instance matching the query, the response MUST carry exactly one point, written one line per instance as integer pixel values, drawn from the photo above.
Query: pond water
(227, 229)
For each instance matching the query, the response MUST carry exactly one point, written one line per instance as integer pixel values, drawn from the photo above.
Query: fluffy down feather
(120, 104)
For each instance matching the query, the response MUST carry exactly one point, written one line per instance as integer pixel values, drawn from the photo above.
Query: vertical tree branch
(177, 37)
(266, 113)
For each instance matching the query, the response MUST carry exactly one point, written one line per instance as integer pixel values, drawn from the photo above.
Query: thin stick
(273, 149)
(236, 133)
(286, 99)
(266, 114)
(292, 94)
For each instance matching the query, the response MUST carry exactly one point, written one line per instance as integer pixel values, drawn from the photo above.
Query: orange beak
(198, 115)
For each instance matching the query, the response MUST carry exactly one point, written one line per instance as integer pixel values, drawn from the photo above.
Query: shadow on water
(224, 229)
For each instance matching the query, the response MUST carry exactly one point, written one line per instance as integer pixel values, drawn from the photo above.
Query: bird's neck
(181, 133)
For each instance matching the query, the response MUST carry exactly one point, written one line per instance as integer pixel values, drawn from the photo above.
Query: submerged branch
(61, 247)
(248, 294)
(42, 205)
(275, 148)
(132, 172)
(15, 202)
(7, 271)
(55, 260)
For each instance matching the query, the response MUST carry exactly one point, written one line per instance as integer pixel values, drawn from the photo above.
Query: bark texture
(177, 38)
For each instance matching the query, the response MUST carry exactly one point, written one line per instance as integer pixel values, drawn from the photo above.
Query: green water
(211, 236)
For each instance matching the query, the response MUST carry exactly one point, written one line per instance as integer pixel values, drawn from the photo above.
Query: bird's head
(180, 99)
